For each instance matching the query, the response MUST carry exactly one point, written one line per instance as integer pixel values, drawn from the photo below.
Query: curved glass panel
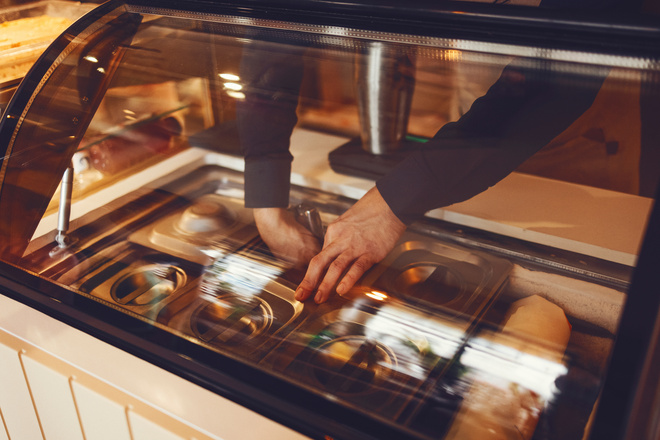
(184, 168)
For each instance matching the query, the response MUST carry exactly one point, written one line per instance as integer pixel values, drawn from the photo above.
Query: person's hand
(358, 239)
(285, 237)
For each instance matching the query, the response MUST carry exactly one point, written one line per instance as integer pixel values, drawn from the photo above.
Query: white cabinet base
(57, 382)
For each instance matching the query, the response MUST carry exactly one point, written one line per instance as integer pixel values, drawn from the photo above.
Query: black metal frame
(631, 384)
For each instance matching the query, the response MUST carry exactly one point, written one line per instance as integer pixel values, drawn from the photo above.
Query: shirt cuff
(267, 183)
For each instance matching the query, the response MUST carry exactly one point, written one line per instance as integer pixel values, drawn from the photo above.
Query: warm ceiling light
(233, 86)
(379, 296)
(229, 76)
(235, 95)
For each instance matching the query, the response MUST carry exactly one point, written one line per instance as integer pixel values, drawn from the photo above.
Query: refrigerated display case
(515, 142)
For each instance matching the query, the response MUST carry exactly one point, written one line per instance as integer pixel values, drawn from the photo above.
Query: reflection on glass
(229, 77)
(510, 366)
(238, 275)
(379, 296)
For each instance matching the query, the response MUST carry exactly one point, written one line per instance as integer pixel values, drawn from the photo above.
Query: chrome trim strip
(331, 33)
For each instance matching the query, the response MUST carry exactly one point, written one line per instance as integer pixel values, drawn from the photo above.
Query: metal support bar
(64, 211)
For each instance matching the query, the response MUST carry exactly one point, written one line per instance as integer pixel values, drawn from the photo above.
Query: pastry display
(24, 39)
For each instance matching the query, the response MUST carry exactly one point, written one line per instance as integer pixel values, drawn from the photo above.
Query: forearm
(521, 113)
(266, 118)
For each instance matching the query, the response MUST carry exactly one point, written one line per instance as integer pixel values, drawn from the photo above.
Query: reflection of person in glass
(527, 107)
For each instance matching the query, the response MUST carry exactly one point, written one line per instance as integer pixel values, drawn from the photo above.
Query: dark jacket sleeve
(526, 108)
(266, 118)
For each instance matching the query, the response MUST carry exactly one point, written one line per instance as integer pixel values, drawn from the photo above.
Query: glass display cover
(142, 152)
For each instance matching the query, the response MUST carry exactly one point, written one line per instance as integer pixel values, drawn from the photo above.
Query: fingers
(336, 272)
(315, 271)
(351, 277)
(359, 238)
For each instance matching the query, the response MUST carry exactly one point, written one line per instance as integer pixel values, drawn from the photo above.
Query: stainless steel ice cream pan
(133, 277)
(230, 320)
(375, 354)
(440, 276)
